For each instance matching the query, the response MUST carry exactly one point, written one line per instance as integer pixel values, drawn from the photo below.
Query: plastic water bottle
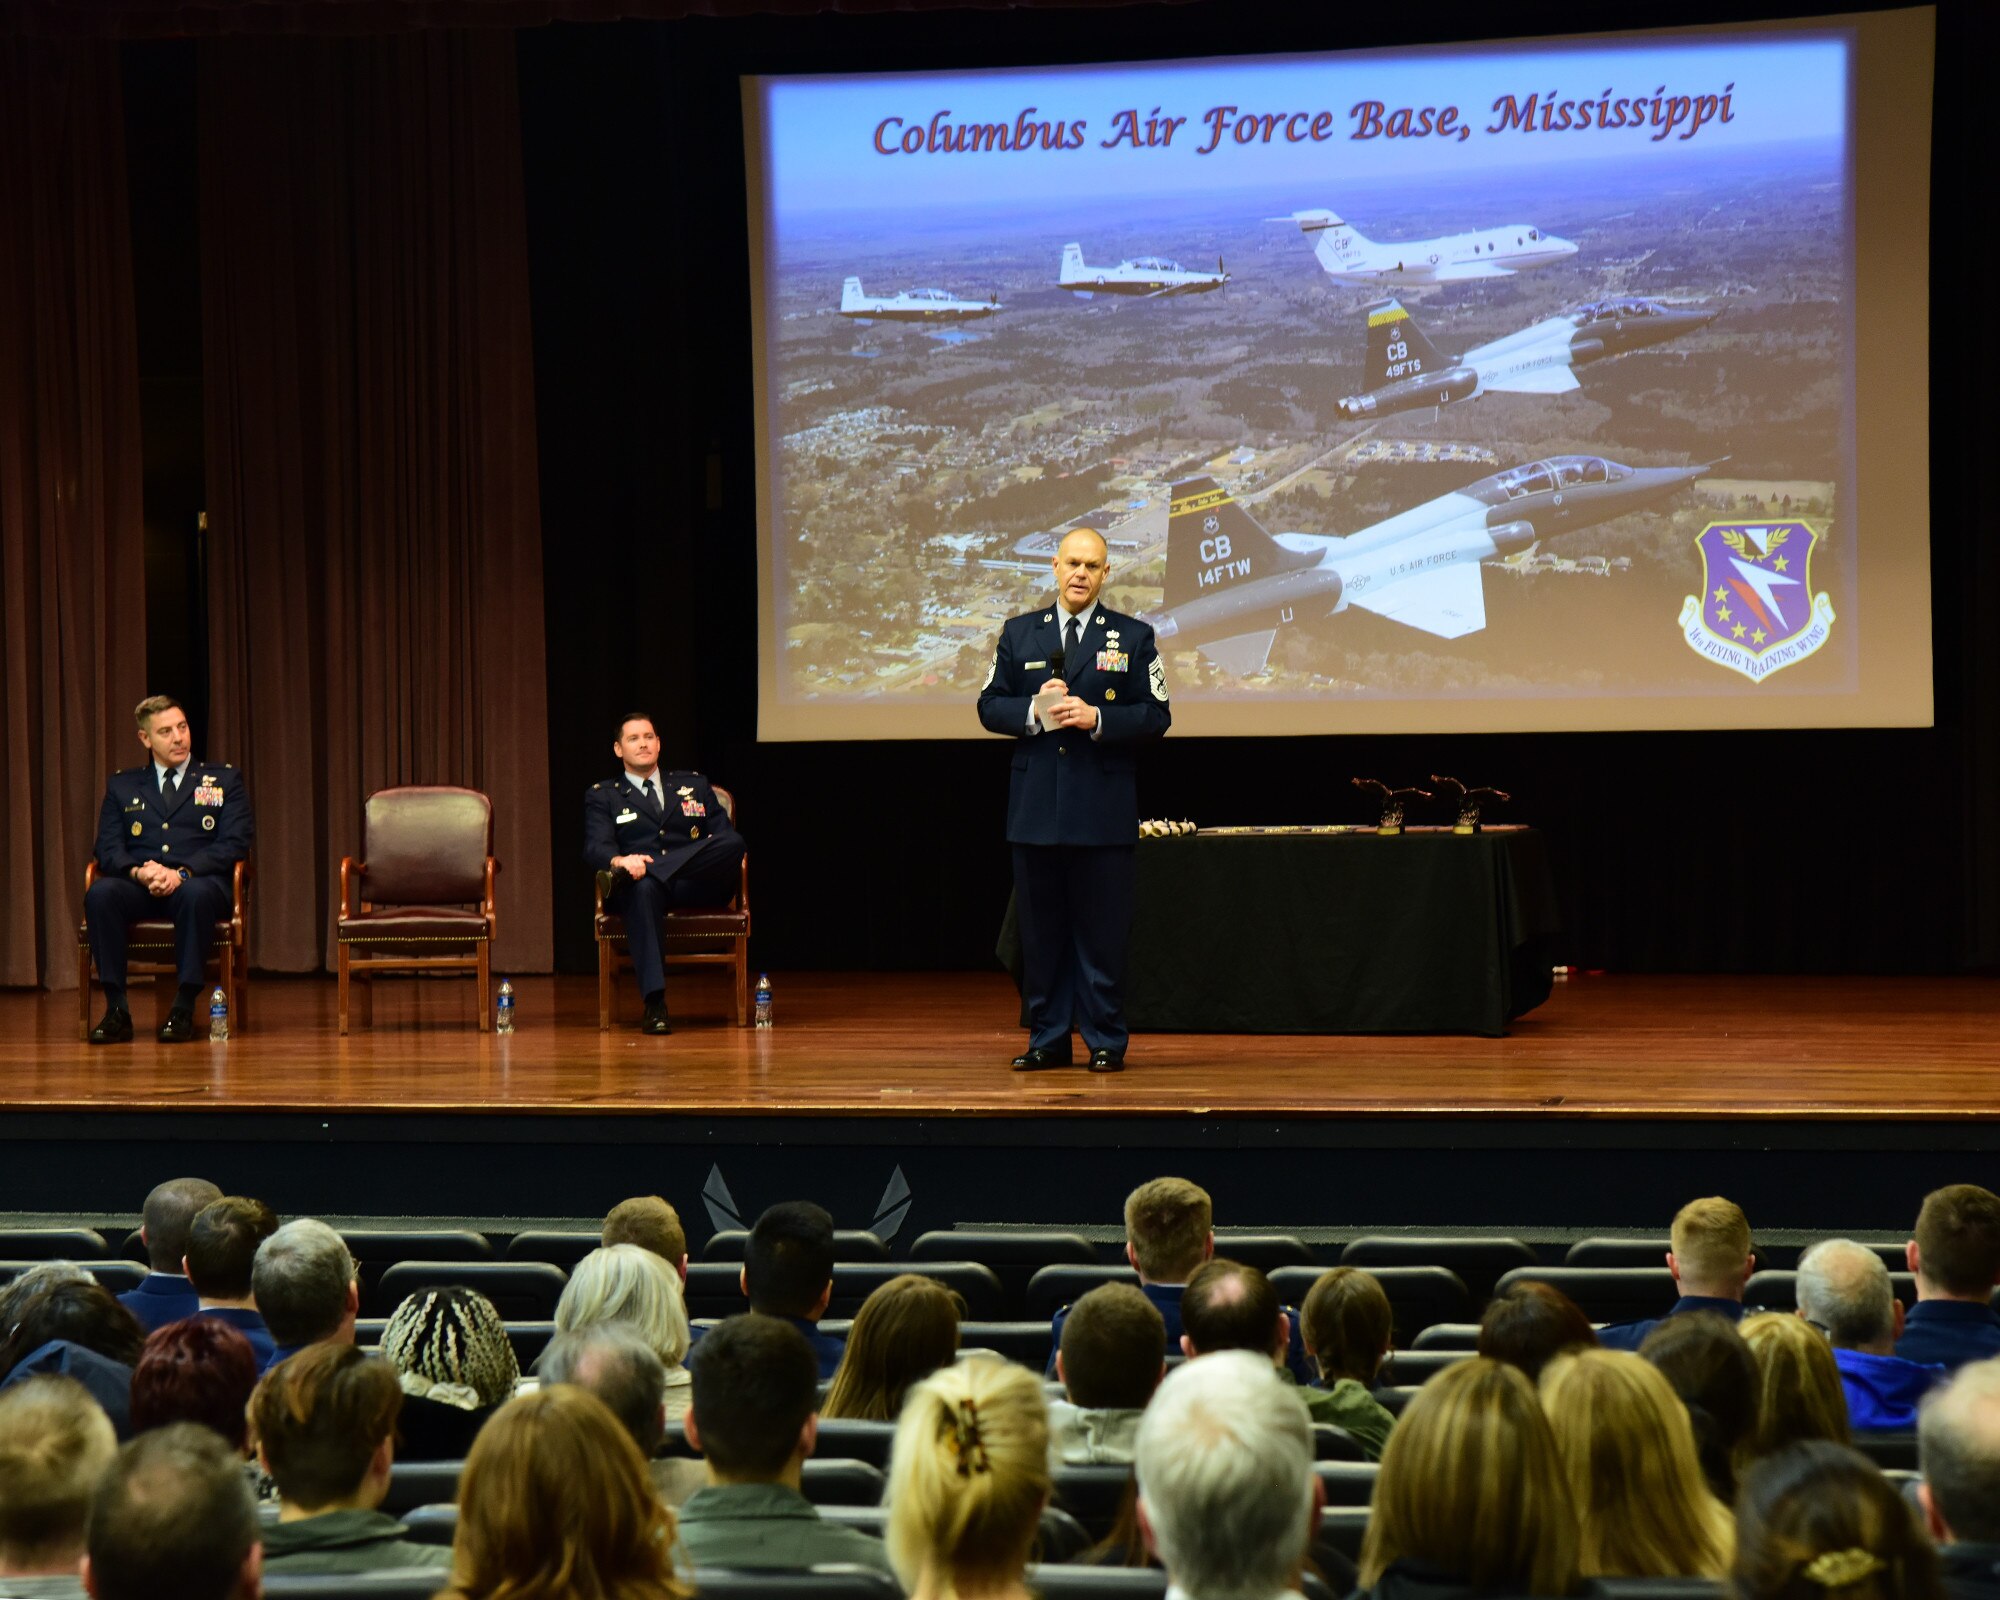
(503, 1009)
(218, 1016)
(764, 1001)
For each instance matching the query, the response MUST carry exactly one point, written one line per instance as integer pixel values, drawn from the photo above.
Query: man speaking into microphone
(1079, 686)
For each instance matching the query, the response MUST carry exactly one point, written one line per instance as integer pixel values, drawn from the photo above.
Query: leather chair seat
(717, 922)
(159, 932)
(403, 924)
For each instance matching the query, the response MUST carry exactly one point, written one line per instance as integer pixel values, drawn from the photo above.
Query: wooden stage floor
(903, 1045)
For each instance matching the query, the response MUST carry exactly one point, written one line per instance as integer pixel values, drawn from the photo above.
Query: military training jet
(1406, 373)
(910, 305)
(1147, 276)
(1501, 252)
(1230, 586)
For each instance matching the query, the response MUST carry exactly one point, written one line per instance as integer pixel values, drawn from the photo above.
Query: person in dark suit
(1072, 802)
(169, 834)
(1956, 1259)
(165, 1294)
(660, 840)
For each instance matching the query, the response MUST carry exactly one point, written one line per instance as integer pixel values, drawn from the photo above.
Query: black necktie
(653, 793)
(1073, 647)
(173, 789)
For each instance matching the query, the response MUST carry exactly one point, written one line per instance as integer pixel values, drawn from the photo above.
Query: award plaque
(1467, 801)
(1392, 802)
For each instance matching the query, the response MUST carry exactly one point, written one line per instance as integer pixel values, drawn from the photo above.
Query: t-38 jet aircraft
(1231, 586)
(1405, 372)
(1501, 252)
(910, 305)
(1147, 276)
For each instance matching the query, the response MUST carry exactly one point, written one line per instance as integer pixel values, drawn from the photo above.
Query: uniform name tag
(1029, 666)
(208, 795)
(1113, 660)
(628, 816)
(693, 808)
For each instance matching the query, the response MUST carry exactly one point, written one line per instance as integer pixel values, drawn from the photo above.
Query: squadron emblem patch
(1756, 613)
(1157, 675)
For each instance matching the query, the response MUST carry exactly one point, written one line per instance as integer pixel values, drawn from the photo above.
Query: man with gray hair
(1958, 1449)
(1844, 1291)
(613, 1361)
(1227, 1494)
(306, 1286)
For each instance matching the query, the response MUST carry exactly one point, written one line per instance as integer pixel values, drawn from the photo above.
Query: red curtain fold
(72, 536)
(374, 530)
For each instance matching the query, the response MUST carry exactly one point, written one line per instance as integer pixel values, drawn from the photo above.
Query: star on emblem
(1757, 636)
(1781, 563)
(1722, 613)
(1737, 631)
(1722, 594)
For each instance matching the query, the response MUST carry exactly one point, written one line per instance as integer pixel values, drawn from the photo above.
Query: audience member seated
(1531, 1323)
(164, 1295)
(222, 1246)
(55, 1442)
(1956, 1259)
(1958, 1448)
(1627, 1448)
(1349, 1332)
(31, 1281)
(968, 1477)
(451, 1354)
(1844, 1291)
(905, 1330)
(172, 1516)
(651, 1224)
(1471, 1499)
(196, 1370)
(612, 1361)
(1711, 1261)
(756, 1383)
(1817, 1521)
(1799, 1394)
(1228, 1306)
(624, 1283)
(1227, 1496)
(1706, 1362)
(1113, 1356)
(1170, 1231)
(788, 1272)
(325, 1424)
(307, 1287)
(554, 1503)
(77, 1330)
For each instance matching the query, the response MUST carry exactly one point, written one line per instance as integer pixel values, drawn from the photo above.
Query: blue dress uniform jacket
(697, 856)
(202, 832)
(1068, 788)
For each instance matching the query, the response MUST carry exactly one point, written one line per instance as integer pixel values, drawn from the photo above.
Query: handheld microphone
(1056, 659)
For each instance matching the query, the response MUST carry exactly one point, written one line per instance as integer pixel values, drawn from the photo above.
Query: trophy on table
(1392, 802)
(1468, 801)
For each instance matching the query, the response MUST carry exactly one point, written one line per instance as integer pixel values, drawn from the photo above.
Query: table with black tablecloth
(1348, 932)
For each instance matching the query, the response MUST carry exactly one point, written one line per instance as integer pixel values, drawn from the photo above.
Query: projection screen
(1552, 385)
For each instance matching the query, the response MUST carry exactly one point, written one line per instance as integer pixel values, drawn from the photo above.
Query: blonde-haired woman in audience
(1471, 1498)
(1799, 1390)
(624, 1283)
(555, 1503)
(1347, 1329)
(1818, 1521)
(1627, 1447)
(905, 1330)
(456, 1365)
(968, 1477)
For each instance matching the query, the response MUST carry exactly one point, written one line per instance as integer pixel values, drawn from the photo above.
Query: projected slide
(1476, 388)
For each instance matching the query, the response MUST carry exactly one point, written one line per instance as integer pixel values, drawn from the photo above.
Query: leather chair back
(426, 844)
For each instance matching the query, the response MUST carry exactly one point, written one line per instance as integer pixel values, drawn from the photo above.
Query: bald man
(1080, 686)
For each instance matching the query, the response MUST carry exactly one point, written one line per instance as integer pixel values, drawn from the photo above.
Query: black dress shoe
(116, 1028)
(179, 1026)
(655, 1020)
(1042, 1060)
(1107, 1061)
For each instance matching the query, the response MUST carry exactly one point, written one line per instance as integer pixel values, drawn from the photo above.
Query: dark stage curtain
(72, 545)
(375, 577)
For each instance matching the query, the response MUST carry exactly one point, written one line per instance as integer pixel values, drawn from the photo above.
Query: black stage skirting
(1428, 932)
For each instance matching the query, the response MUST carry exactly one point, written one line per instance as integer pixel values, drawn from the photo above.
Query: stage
(1614, 1095)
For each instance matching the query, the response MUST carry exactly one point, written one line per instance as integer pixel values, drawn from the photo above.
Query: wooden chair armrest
(487, 908)
(89, 874)
(743, 884)
(351, 871)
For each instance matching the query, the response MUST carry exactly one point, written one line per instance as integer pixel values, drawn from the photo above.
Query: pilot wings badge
(1757, 612)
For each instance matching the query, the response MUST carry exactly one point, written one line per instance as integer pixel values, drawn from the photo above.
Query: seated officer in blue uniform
(662, 840)
(1072, 802)
(169, 836)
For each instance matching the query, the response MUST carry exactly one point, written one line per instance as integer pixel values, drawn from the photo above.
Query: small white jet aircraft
(1348, 257)
(910, 305)
(1147, 276)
